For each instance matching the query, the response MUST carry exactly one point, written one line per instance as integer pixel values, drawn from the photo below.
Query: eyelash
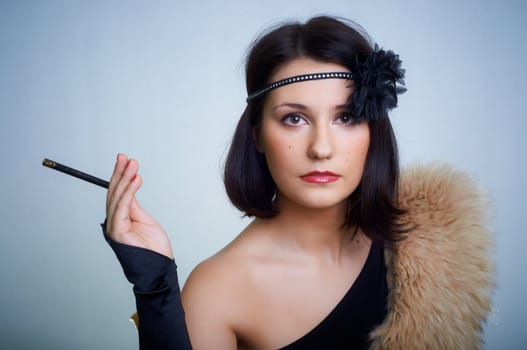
(351, 120)
(288, 117)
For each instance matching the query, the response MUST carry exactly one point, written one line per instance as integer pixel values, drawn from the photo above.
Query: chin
(321, 202)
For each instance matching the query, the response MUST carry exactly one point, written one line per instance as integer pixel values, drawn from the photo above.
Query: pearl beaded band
(299, 78)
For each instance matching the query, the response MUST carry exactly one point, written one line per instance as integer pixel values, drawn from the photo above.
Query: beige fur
(441, 277)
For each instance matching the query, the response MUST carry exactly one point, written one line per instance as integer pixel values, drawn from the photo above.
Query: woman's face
(315, 152)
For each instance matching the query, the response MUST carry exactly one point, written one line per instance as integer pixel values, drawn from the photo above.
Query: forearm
(161, 315)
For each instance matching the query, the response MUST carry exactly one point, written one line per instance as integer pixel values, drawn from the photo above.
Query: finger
(139, 214)
(123, 220)
(120, 166)
(121, 185)
(122, 217)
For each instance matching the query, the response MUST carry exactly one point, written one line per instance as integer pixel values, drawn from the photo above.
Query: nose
(321, 143)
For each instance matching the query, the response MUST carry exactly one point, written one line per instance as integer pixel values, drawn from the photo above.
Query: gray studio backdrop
(163, 82)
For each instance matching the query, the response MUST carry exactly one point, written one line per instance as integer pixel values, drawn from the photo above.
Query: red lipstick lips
(320, 177)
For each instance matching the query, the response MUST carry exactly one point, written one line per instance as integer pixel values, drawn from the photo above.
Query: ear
(257, 140)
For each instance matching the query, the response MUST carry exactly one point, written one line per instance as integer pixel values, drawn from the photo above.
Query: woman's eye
(346, 119)
(293, 119)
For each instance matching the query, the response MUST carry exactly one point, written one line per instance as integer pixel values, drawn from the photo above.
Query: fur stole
(441, 276)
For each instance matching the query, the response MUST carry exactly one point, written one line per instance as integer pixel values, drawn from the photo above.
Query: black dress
(362, 308)
(162, 319)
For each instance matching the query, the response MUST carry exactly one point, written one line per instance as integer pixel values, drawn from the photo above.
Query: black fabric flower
(377, 82)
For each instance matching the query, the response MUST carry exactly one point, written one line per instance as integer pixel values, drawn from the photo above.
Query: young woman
(314, 160)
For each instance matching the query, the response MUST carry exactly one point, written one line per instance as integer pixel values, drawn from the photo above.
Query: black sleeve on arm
(154, 276)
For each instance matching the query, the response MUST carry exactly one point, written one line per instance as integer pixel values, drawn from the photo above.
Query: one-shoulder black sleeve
(157, 295)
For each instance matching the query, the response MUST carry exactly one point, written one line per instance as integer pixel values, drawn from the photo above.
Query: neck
(312, 230)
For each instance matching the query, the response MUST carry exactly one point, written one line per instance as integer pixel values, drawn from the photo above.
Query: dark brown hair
(249, 185)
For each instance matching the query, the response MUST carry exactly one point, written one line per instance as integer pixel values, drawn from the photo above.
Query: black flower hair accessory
(377, 82)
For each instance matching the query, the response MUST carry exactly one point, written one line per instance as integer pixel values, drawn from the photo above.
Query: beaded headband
(376, 81)
(299, 78)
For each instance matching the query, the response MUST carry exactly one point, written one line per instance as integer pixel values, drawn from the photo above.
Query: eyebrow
(292, 105)
(302, 107)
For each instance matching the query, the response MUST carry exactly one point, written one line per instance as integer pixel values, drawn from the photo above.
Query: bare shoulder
(215, 276)
(215, 295)
(227, 267)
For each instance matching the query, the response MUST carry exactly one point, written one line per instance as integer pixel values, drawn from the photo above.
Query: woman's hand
(126, 221)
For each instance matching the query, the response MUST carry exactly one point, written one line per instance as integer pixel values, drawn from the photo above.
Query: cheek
(277, 152)
(275, 144)
(357, 151)
(361, 150)
(281, 155)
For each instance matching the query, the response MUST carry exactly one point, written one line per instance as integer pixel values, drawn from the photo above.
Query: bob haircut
(248, 182)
